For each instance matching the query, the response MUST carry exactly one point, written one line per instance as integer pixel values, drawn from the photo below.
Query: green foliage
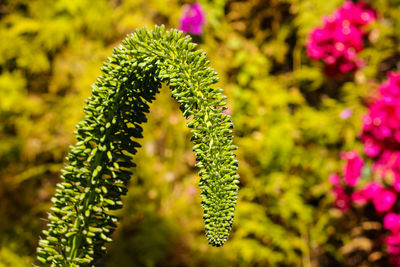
(99, 164)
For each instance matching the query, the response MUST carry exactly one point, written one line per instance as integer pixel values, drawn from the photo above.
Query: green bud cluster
(100, 163)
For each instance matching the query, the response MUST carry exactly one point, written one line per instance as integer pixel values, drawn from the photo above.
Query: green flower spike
(99, 164)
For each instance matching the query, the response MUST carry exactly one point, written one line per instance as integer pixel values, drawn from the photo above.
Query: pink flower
(352, 169)
(346, 113)
(381, 138)
(372, 189)
(393, 247)
(371, 147)
(393, 239)
(340, 38)
(384, 200)
(396, 182)
(391, 222)
(381, 126)
(359, 197)
(357, 14)
(388, 161)
(369, 192)
(334, 179)
(342, 200)
(389, 164)
(192, 19)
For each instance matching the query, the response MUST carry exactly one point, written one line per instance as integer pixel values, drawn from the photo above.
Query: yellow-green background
(285, 111)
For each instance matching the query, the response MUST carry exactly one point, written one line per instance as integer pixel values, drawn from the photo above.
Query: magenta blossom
(359, 197)
(391, 222)
(381, 125)
(352, 169)
(371, 147)
(342, 200)
(396, 182)
(393, 243)
(334, 179)
(384, 200)
(389, 164)
(370, 191)
(339, 40)
(393, 247)
(357, 14)
(192, 19)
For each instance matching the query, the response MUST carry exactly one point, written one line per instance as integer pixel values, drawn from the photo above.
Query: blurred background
(288, 116)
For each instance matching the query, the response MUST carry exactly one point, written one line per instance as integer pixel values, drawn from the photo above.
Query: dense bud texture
(100, 162)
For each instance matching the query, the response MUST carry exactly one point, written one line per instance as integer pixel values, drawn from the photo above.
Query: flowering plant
(100, 163)
(341, 37)
(381, 140)
(192, 19)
